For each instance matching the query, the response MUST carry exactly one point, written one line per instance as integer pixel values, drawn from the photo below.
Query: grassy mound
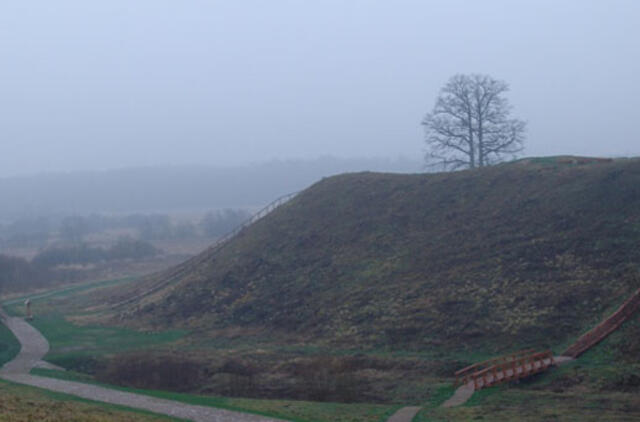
(523, 254)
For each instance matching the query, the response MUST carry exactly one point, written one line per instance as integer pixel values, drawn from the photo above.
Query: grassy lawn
(9, 346)
(69, 341)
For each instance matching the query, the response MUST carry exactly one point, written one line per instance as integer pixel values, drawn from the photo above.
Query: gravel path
(405, 414)
(35, 346)
(461, 395)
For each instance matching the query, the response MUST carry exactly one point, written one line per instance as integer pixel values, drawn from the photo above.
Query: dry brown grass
(23, 404)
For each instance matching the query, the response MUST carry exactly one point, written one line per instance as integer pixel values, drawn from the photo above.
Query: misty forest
(319, 211)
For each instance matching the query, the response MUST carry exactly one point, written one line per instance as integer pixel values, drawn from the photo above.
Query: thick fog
(99, 85)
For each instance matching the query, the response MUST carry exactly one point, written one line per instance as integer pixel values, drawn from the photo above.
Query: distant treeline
(38, 232)
(16, 272)
(124, 248)
(48, 266)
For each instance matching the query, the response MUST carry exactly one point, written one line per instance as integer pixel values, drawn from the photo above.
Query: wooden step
(606, 327)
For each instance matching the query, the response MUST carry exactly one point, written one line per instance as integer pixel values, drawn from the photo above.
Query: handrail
(528, 360)
(605, 327)
(492, 360)
(215, 248)
(257, 216)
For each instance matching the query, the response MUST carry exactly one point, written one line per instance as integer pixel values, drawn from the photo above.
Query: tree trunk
(481, 157)
(472, 147)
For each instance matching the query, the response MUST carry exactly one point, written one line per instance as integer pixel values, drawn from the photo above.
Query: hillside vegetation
(536, 250)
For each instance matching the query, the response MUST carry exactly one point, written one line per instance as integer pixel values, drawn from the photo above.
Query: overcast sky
(107, 84)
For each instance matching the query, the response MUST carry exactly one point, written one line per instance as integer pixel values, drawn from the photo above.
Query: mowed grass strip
(9, 346)
(67, 339)
(293, 410)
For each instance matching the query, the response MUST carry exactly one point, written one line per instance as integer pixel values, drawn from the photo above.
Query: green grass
(9, 346)
(439, 394)
(70, 341)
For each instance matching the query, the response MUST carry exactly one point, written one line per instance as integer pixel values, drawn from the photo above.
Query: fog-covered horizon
(174, 188)
(397, 164)
(107, 85)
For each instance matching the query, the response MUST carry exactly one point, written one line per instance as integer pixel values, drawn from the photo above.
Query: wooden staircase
(606, 327)
(505, 368)
(527, 362)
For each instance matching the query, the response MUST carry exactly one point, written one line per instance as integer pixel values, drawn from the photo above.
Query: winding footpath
(35, 346)
(405, 414)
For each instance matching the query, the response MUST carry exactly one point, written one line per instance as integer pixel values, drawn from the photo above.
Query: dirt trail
(35, 346)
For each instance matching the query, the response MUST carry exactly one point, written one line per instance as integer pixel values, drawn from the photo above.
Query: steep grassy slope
(535, 251)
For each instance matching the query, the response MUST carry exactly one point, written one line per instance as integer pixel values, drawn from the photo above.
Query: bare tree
(470, 125)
